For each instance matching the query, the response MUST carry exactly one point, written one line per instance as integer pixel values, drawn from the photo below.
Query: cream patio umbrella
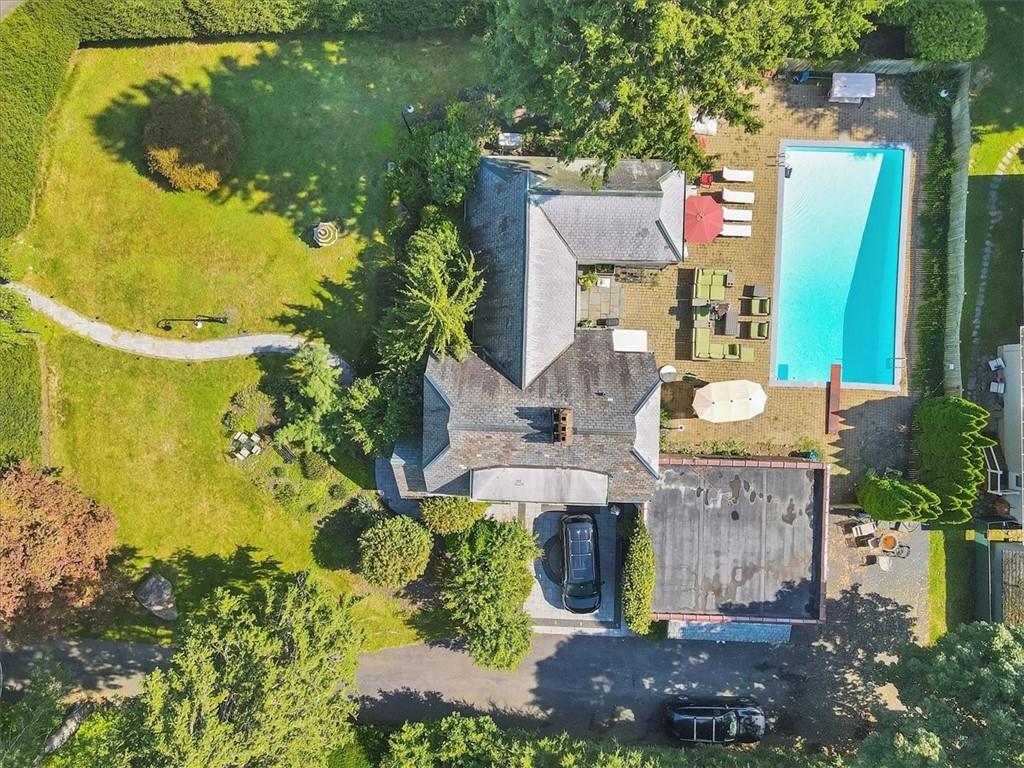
(729, 400)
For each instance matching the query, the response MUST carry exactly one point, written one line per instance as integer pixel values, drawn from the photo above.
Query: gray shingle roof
(493, 423)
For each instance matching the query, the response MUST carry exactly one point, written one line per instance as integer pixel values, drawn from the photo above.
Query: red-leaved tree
(54, 543)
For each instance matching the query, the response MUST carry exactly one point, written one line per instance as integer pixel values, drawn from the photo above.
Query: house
(541, 410)
(1003, 462)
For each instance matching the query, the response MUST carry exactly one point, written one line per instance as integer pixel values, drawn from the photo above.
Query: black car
(581, 572)
(715, 719)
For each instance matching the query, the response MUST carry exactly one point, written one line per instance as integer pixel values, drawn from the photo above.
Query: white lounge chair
(737, 214)
(736, 230)
(731, 174)
(732, 196)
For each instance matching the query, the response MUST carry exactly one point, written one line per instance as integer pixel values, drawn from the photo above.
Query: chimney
(561, 425)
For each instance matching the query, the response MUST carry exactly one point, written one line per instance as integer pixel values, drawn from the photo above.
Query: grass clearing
(20, 403)
(319, 117)
(950, 592)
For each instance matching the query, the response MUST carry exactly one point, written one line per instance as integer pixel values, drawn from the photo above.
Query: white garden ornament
(326, 233)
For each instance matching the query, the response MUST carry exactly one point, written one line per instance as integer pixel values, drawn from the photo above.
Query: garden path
(170, 349)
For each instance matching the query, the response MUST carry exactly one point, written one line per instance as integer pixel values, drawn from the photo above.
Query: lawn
(997, 118)
(20, 404)
(320, 118)
(950, 569)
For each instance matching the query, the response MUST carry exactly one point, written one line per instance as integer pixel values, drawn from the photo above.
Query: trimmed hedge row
(38, 38)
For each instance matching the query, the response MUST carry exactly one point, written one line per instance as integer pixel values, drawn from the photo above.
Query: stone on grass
(157, 596)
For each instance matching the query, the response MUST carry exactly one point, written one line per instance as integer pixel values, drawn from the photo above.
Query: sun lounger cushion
(736, 230)
(701, 343)
(717, 351)
(717, 292)
(737, 214)
(734, 196)
(733, 174)
(760, 306)
(746, 355)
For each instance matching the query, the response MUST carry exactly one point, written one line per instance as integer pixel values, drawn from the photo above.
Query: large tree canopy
(616, 79)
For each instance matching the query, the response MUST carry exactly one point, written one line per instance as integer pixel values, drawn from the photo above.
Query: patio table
(760, 292)
(732, 323)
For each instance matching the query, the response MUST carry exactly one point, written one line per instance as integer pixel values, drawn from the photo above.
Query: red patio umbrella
(702, 221)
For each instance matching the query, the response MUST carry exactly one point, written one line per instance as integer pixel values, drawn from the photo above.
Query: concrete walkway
(168, 349)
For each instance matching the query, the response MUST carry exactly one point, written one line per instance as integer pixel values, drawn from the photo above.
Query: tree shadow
(336, 541)
(872, 435)
(406, 705)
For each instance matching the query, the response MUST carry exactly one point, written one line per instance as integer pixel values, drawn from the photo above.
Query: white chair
(731, 174)
(732, 196)
(737, 214)
(997, 387)
(864, 529)
(736, 230)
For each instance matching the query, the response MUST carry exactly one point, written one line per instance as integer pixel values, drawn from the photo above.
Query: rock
(157, 596)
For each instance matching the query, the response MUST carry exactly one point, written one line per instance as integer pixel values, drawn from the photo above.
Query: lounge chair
(732, 351)
(760, 306)
(736, 230)
(732, 174)
(704, 277)
(716, 292)
(702, 291)
(737, 214)
(717, 351)
(701, 343)
(742, 198)
(746, 354)
(758, 330)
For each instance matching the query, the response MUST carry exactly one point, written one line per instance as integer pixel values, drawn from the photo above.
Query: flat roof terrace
(739, 538)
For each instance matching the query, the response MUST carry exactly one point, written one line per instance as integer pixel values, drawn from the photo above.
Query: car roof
(580, 542)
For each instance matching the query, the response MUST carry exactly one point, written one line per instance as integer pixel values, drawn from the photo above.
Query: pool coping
(901, 267)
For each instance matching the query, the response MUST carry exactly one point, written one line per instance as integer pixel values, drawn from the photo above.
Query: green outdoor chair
(703, 277)
(701, 313)
(701, 343)
(746, 354)
(716, 292)
(701, 291)
(732, 351)
(759, 330)
(760, 306)
(717, 351)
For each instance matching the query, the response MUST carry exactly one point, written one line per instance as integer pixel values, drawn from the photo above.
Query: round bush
(394, 551)
(450, 514)
(251, 410)
(946, 30)
(191, 141)
(314, 466)
(922, 91)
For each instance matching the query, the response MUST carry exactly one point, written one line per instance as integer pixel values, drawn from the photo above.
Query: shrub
(230, 17)
(890, 497)
(54, 543)
(486, 582)
(314, 466)
(394, 552)
(131, 19)
(450, 514)
(951, 448)
(366, 510)
(377, 409)
(921, 90)
(946, 30)
(191, 141)
(638, 580)
(285, 493)
(13, 314)
(251, 410)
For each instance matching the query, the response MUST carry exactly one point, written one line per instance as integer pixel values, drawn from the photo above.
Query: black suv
(581, 572)
(715, 719)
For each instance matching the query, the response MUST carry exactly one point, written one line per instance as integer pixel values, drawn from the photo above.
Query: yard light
(408, 110)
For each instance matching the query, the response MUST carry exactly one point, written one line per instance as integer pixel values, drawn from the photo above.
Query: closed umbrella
(702, 219)
(729, 400)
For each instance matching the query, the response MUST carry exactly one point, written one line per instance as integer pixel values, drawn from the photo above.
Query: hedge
(38, 38)
(946, 30)
(638, 580)
(890, 497)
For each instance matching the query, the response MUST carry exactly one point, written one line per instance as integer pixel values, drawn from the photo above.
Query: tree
(313, 401)
(638, 580)
(618, 79)
(951, 447)
(963, 698)
(440, 286)
(26, 723)
(13, 314)
(191, 141)
(54, 543)
(268, 683)
(946, 30)
(394, 551)
(890, 497)
(377, 409)
(486, 581)
(450, 514)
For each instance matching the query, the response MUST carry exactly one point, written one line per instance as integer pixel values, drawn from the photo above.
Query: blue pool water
(839, 265)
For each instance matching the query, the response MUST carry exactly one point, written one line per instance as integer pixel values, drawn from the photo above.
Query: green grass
(950, 595)
(20, 403)
(144, 437)
(997, 118)
(320, 118)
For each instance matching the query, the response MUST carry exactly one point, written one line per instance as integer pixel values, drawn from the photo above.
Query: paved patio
(874, 428)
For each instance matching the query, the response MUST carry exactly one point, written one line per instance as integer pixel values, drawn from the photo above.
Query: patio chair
(717, 351)
(701, 312)
(732, 323)
(737, 214)
(736, 230)
(236, 436)
(863, 530)
(701, 343)
(733, 174)
(732, 351)
(746, 354)
(735, 196)
(716, 292)
(702, 291)
(902, 551)
(997, 387)
(760, 306)
(704, 277)
(758, 330)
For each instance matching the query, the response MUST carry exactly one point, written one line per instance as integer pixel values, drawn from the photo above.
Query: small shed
(852, 87)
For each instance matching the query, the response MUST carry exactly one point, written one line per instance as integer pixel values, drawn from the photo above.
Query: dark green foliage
(962, 696)
(394, 551)
(230, 17)
(103, 20)
(366, 510)
(638, 579)
(921, 91)
(20, 404)
(951, 447)
(26, 723)
(251, 410)
(444, 515)
(314, 466)
(486, 582)
(377, 409)
(36, 43)
(191, 141)
(312, 401)
(13, 314)
(929, 364)
(946, 30)
(890, 497)
(109, 737)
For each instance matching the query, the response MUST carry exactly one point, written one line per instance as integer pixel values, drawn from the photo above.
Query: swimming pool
(839, 264)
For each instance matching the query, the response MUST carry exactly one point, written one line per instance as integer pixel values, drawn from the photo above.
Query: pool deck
(874, 424)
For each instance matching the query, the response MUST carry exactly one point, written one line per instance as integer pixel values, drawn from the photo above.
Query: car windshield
(585, 589)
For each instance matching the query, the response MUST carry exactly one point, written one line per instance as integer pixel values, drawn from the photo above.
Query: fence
(960, 117)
